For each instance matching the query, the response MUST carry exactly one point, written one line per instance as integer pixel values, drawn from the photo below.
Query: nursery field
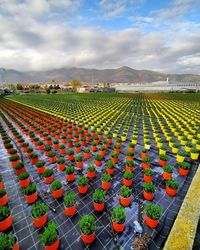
(95, 171)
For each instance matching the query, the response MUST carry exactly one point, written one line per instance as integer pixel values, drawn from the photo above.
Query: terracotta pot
(127, 168)
(24, 149)
(148, 196)
(61, 167)
(148, 178)
(48, 180)
(57, 193)
(41, 147)
(105, 185)
(40, 222)
(19, 171)
(102, 153)
(15, 163)
(1, 185)
(63, 151)
(118, 227)
(143, 155)
(5, 224)
(94, 148)
(98, 163)
(70, 157)
(4, 200)
(117, 150)
(31, 198)
(52, 159)
(83, 190)
(41, 170)
(127, 183)
(128, 157)
(98, 206)
(25, 183)
(145, 165)
(109, 141)
(114, 160)
(150, 222)
(162, 163)
(170, 191)
(78, 150)
(70, 177)
(64, 141)
(131, 149)
(70, 211)
(16, 246)
(125, 201)
(70, 144)
(110, 171)
(53, 246)
(91, 175)
(88, 239)
(47, 152)
(183, 172)
(79, 164)
(86, 155)
(56, 146)
(34, 161)
(166, 176)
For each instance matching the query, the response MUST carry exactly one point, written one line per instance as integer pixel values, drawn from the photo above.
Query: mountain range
(120, 75)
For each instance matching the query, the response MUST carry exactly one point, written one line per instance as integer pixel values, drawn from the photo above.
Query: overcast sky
(162, 35)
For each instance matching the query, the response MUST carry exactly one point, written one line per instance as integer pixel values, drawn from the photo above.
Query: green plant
(7, 241)
(51, 154)
(128, 175)
(163, 147)
(55, 142)
(130, 163)
(194, 151)
(61, 160)
(77, 144)
(148, 172)
(70, 152)
(87, 224)
(30, 189)
(153, 211)
(163, 157)
(50, 234)
(171, 183)
(40, 164)
(106, 177)
(98, 157)
(82, 181)
(79, 158)
(14, 158)
(62, 146)
(175, 145)
(131, 145)
(86, 150)
(168, 169)
(33, 155)
(125, 192)
(94, 143)
(69, 199)
(117, 146)
(110, 164)
(146, 160)
(189, 144)
(91, 168)
(19, 166)
(149, 187)
(114, 155)
(144, 150)
(99, 196)
(181, 153)
(2, 192)
(69, 170)
(56, 185)
(23, 176)
(4, 212)
(38, 209)
(47, 148)
(48, 172)
(118, 215)
(129, 153)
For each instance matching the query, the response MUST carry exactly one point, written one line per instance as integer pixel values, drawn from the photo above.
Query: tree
(19, 87)
(48, 91)
(75, 84)
(50, 87)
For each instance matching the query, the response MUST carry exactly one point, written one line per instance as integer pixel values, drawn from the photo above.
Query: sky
(160, 35)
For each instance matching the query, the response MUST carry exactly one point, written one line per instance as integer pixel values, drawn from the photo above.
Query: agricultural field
(95, 171)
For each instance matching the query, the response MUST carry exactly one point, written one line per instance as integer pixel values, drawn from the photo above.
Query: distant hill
(120, 75)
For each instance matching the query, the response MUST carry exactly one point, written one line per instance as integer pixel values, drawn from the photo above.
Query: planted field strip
(149, 144)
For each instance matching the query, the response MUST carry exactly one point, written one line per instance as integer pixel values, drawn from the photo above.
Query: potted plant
(39, 214)
(30, 193)
(52, 157)
(62, 149)
(144, 153)
(163, 160)
(149, 189)
(167, 172)
(171, 187)
(129, 155)
(70, 203)
(118, 216)
(110, 167)
(102, 151)
(61, 164)
(146, 161)
(87, 226)
(131, 147)
(114, 157)
(86, 153)
(14, 160)
(19, 168)
(8, 242)
(91, 172)
(79, 161)
(117, 148)
(129, 165)
(48, 176)
(82, 184)
(163, 150)
(34, 158)
(3, 197)
(50, 237)
(5, 218)
(175, 148)
(194, 154)
(183, 168)
(40, 166)
(70, 176)
(125, 196)
(77, 147)
(47, 150)
(70, 154)
(128, 178)
(98, 160)
(180, 157)
(153, 214)
(188, 146)
(1, 182)
(106, 181)
(148, 175)
(56, 189)
(98, 199)
(24, 179)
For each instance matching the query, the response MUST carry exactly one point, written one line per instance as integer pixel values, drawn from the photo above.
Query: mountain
(120, 75)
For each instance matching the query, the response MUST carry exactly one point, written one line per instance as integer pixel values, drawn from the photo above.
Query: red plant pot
(49, 142)
(4, 200)
(125, 201)
(148, 178)
(98, 163)
(129, 158)
(88, 239)
(79, 164)
(94, 148)
(70, 144)
(83, 143)
(114, 160)
(91, 175)
(24, 149)
(16, 246)
(53, 246)
(118, 227)
(166, 176)
(131, 150)
(63, 151)
(170, 191)
(53, 159)
(88, 138)
(127, 168)
(162, 163)
(127, 183)
(1, 185)
(109, 141)
(183, 172)
(150, 222)
(86, 155)
(83, 190)
(64, 140)
(145, 165)
(15, 163)
(31, 198)
(47, 152)
(61, 167)
(57, 193)
(98, 207)
(70, 211)
(70, 157)
(34, 161)
(117, 150)
(5, 224)
(70, 177)
(41, 147)
(148, 196)
(105, 146)
(40, 222)
(48, 180)
(19, 171)
(143, 155)
(96, 141)
(41, 170)
(110, 171)
(105, 185)
(56, 146)
(78, 149)
(24, 183)
(102, 153)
